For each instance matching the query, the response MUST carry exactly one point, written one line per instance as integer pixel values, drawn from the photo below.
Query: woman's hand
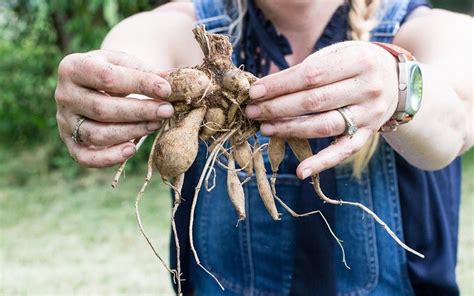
(94, 85)
(302, 100)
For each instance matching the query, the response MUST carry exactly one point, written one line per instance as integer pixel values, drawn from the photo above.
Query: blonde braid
(362, 19)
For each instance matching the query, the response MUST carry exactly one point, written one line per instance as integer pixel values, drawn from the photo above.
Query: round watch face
(416, 90)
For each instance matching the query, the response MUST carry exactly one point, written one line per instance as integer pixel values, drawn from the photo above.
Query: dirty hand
(94, 86)
(301, 101)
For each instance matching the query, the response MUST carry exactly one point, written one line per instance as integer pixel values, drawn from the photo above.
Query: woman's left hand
(301, 101)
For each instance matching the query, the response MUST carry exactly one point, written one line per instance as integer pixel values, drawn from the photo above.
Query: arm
(96, 85)
(442, 129)
(301, 101)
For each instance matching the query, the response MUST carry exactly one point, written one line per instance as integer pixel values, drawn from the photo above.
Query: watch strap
(399, 117)
(396, 51)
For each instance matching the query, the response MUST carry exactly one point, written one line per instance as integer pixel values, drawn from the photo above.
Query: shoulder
(170, 16)
(165, 30)
(174, 12)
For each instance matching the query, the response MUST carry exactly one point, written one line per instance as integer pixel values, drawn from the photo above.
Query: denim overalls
(257, 257)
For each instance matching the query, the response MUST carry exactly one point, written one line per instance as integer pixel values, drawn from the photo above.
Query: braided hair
(362, 19)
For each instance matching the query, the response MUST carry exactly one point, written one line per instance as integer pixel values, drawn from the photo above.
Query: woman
(314, 85)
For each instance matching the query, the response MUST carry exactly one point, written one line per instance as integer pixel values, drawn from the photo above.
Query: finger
(104, 108)
(319, 69)
(333, 155)
(105, 134)
(127, 60)
(96, 73)
(97, 157)
(324, 98)
(320, 125)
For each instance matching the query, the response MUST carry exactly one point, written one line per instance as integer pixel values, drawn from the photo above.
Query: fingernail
(306, 173)
(267, 129)
(128, 151)
(252, 111)
(153, 126)
(165, 111)
(257, 91)
(162, 89)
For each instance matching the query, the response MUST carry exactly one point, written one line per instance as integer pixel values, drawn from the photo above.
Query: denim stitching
(251, 268)
(372, 242)
(396, 210)
(369, 227)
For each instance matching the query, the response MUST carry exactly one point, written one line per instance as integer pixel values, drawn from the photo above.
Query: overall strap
(218, 16)
(391, 14)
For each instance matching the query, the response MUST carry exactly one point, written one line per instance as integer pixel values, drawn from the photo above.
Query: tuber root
(234, 187)
(276, 154)
(243, 156)
(187, 85)
(263, 185)
(177, 147)
(213, 122)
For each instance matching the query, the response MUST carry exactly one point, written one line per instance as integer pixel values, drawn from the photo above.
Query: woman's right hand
(95, 85)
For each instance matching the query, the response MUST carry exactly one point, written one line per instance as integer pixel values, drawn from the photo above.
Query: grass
(64, 235)
(465, 268)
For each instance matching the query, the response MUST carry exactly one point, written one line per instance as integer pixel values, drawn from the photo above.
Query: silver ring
(75, 133)
(351, 126)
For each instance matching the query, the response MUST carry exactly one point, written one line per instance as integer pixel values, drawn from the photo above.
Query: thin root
(212, 172)
(320, 193)
(137, 211)
(216, 147)
(296, 215)
(138, 143)
(177, 186)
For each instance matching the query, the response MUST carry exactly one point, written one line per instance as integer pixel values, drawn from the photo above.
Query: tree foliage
(36, 34)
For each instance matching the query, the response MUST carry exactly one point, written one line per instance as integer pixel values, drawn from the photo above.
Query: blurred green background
(63, 229)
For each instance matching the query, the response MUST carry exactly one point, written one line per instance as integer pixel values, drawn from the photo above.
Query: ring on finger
(75, 133)
(351, 126)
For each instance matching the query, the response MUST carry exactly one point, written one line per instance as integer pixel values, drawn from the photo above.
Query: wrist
(410, 87)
